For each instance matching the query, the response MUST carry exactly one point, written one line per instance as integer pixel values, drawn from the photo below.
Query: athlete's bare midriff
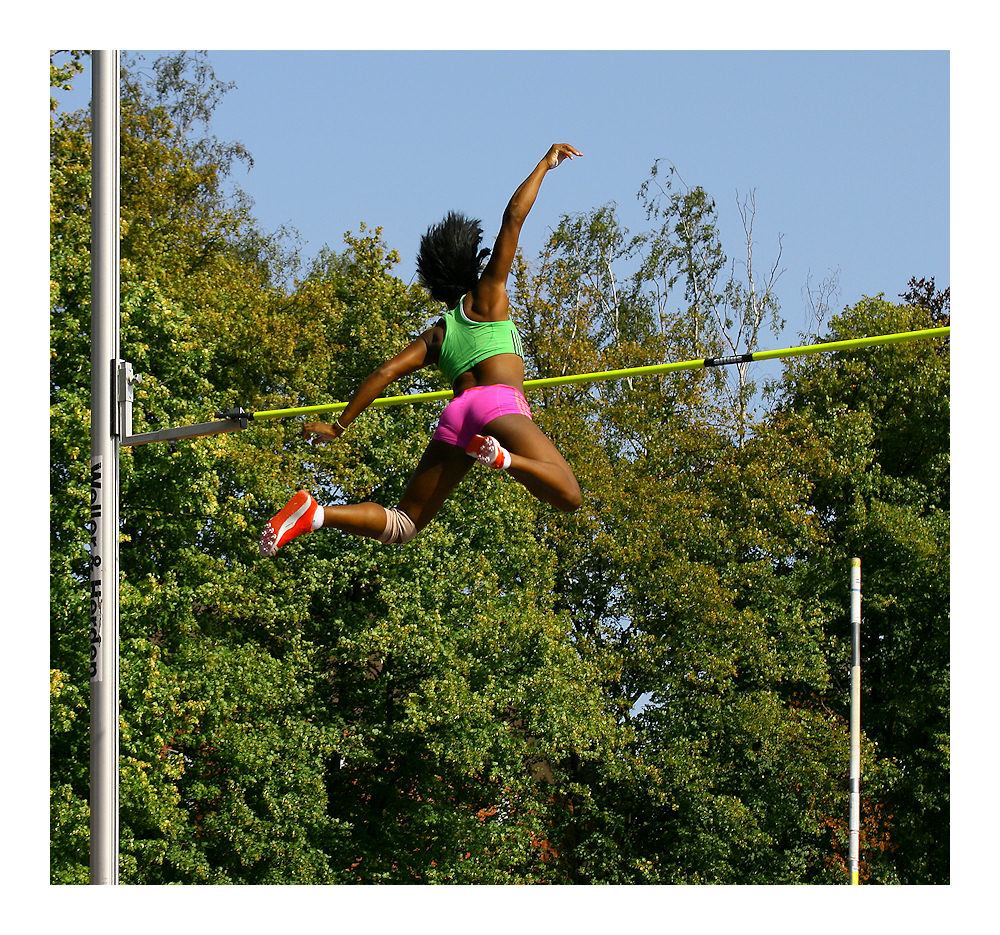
(501, 368)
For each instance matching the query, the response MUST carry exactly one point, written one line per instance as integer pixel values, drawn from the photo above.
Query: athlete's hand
(321, 431)
(558, 152)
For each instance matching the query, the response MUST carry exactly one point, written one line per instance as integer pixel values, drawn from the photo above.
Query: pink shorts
(468, 414)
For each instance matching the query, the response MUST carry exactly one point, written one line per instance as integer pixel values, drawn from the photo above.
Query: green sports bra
(467, 342)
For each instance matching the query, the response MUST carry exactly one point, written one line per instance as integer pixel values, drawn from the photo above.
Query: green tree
(675, 573)
(723, 309)
(881, 492)
(191, 683)
(344, 712)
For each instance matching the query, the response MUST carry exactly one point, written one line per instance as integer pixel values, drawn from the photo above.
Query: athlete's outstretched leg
(436, 476)
(535, 461)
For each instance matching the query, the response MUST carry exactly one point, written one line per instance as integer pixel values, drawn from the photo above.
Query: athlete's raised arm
(490, 294)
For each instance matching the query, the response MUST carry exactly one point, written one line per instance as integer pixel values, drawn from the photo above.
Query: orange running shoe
(487, 450)
(295, 518)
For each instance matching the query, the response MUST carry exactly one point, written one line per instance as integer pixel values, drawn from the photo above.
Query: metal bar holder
(232, 420)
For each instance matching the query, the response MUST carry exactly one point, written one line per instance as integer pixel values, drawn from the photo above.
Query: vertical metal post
(104, 349)
(854, 830)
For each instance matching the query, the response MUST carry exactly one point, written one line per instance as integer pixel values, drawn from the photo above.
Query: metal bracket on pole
(233, 420)
(125, 380)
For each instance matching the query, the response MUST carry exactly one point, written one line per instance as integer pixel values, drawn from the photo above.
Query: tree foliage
(650, 690)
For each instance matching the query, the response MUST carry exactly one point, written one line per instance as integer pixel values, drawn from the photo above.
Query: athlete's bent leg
(536, 462)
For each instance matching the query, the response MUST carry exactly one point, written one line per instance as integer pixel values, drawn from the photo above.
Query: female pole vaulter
(478, 349)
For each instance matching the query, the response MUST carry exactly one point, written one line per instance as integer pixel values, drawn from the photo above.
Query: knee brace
(399, 527)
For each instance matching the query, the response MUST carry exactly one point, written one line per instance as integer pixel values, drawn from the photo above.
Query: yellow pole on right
(855, 772)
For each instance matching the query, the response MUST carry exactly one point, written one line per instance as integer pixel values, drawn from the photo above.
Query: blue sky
(847, 153)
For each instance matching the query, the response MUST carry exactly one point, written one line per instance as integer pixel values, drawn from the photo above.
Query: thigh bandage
(398, 527)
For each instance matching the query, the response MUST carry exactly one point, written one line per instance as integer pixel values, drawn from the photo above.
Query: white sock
(317, 519)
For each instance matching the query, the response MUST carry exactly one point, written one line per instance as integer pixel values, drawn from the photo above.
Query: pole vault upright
(104, 449)
(854, 829)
